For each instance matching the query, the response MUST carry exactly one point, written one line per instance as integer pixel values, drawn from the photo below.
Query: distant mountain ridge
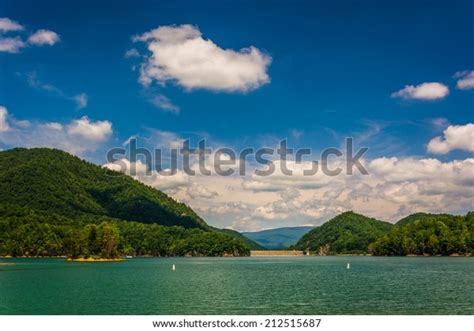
(254, 245)
(278, 238)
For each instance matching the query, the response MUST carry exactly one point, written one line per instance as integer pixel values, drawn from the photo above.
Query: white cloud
(140, 171)
(454, 137)
(164, 103)
(132, 52)
(164, 139)
(7, 25)
(78, 137)
(394, 188)
(3, 119)
(53, 126)
(85, 128)
(22, 123)
(44, 37)
(465, 79)
(81, 100)
(424, 91)
(15, 44)
(181, 55)
(198, 191)
(11, 45)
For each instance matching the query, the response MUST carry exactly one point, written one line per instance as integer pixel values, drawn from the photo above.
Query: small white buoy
(348, 266)
(173, 268)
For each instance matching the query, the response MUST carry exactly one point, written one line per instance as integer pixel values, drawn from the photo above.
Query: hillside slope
(346, 233)
(57, 182)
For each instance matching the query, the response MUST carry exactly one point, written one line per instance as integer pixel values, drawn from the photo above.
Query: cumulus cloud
(85, 128)
(395, 187)
(140, 171)
(11, 45)
(180, 54)
(198, 191)
(424, 91)
(465, 79)
(78, 136)
(44, 37)
(53, 126)
(7, 25)
(3, 119)
(425, 184)
(15, 44)
(454, 137)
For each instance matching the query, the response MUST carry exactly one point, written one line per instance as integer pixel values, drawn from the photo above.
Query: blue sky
(334, 69)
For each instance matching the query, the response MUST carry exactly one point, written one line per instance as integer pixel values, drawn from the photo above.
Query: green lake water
(252, 285)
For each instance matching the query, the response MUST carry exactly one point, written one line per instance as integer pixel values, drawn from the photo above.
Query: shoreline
(93, 259)
(266, 254)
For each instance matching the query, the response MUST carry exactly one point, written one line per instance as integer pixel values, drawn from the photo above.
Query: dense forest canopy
(428, 235)
(25, 232)
(57, 182)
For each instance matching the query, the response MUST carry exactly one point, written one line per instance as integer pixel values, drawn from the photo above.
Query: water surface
(252, 285)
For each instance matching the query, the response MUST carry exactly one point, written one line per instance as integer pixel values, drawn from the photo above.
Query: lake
(252, 285)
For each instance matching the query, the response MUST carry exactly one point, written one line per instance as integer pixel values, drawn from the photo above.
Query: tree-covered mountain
(53, 203)
(278, 238)
(57, 182)
(346, 233)
(428, 234)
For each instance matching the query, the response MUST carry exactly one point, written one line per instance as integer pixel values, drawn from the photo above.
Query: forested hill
(416, 234)
(52, 203)
(56, 182)
(346, 233)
